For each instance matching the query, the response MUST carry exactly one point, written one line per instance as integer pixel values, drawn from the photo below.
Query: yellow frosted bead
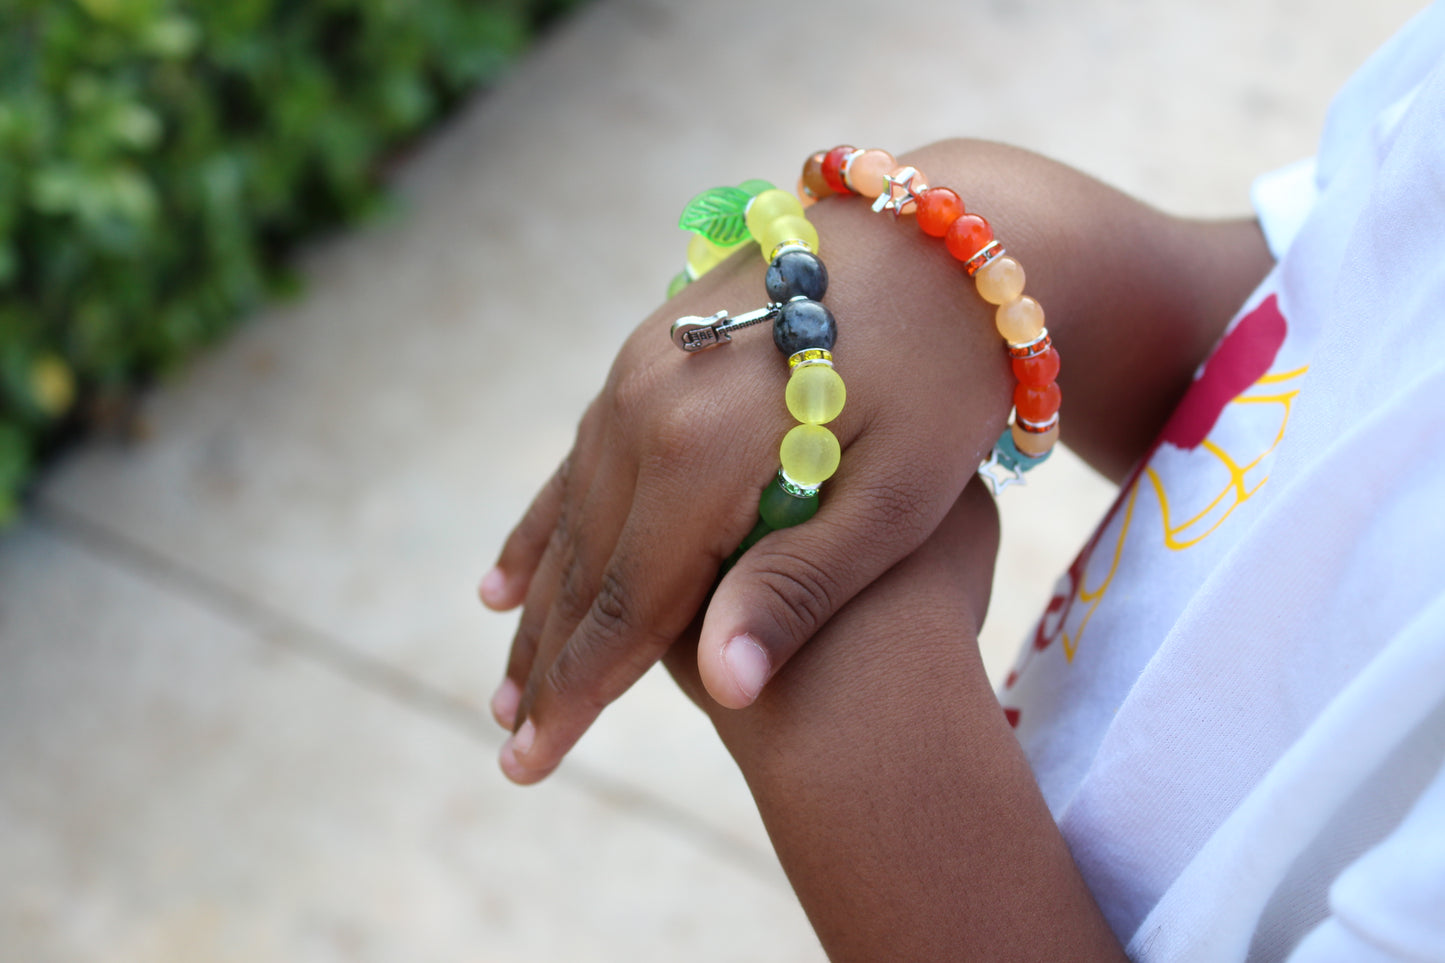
(1020, 321)
(792, 227)
(703, 255)
(1000, 280)
(768, 207)
(1034, 444)
(815, 394)
(810, 454)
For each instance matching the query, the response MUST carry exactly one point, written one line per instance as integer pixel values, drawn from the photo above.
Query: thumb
(788, 585)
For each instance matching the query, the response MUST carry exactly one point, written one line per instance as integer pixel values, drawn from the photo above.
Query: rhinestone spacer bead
(1037, 427)
(810, 356)
(992, 250)
(794, 489)
(1031, 349)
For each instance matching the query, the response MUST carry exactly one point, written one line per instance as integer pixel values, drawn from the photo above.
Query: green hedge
(158, 157)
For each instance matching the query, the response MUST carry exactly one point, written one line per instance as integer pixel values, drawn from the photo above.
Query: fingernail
(747, 663)
(493, 589)
(523, 738)
(505, 702)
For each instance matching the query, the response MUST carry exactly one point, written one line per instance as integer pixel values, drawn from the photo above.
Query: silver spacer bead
(794, 489)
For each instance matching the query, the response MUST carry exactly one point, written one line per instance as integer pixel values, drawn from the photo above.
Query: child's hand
(619, 551)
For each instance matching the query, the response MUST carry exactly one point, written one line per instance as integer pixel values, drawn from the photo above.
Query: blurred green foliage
(158, 157)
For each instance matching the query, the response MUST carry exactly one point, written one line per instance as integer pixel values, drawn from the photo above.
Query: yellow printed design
(1235, 378)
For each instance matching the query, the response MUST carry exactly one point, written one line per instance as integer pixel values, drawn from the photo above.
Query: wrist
(1134, 298)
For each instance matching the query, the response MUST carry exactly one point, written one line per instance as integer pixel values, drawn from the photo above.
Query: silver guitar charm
(692, 333)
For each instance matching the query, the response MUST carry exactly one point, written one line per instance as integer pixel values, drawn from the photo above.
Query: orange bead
(1034, 443)
(1037, 403)
(938, 208)
(804, 196)
(1020, 321)
(1038, 370)
(1000, 280)
(967, 235)
(864, 173)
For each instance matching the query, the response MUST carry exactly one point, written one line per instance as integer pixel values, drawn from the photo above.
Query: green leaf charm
(717, 214)
(756, 187)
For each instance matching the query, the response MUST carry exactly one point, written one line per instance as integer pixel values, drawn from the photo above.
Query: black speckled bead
(796, 272)
(802, 325)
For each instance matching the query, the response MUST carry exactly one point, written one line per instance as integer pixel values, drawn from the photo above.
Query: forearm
(894, 791)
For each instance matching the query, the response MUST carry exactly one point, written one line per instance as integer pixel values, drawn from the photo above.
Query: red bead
(1038, 370)
(967, 235)
(1037, 404)
(937, 209)
(833, 168)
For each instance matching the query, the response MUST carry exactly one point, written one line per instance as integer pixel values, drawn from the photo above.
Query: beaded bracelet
(1030, 439)
(723, 219)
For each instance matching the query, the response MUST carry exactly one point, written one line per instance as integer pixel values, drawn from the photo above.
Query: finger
(505, 586)
(506, 703)
(936, 594)
(651, 588)
(542, 590)
(585, 546)
(785, 588)
(951, 568)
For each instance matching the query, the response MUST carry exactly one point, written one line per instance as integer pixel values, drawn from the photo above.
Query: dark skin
(613, 570)
(893, 789)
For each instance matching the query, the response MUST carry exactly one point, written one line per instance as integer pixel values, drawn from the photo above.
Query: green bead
(810, 454)
(780, 508)
(815, 394)
(760, 529)
(675, 286)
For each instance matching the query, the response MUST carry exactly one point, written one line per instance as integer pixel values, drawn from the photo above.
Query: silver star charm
(999, 476)
(899, 192)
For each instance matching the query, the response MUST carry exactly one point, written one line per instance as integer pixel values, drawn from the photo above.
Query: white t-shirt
(1235, 703)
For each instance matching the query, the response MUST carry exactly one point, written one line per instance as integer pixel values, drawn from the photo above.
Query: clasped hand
(621, 550)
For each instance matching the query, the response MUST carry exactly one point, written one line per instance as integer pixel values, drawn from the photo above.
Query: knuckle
(566, 678)
(805, 592)
(611, 609)
(561, 535)
(573, 596)
(608, 651)
(692, 434)
(633, 394)
(890, 503)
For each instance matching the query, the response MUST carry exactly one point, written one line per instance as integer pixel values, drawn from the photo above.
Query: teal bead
(1013, 459)
(780, 508)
